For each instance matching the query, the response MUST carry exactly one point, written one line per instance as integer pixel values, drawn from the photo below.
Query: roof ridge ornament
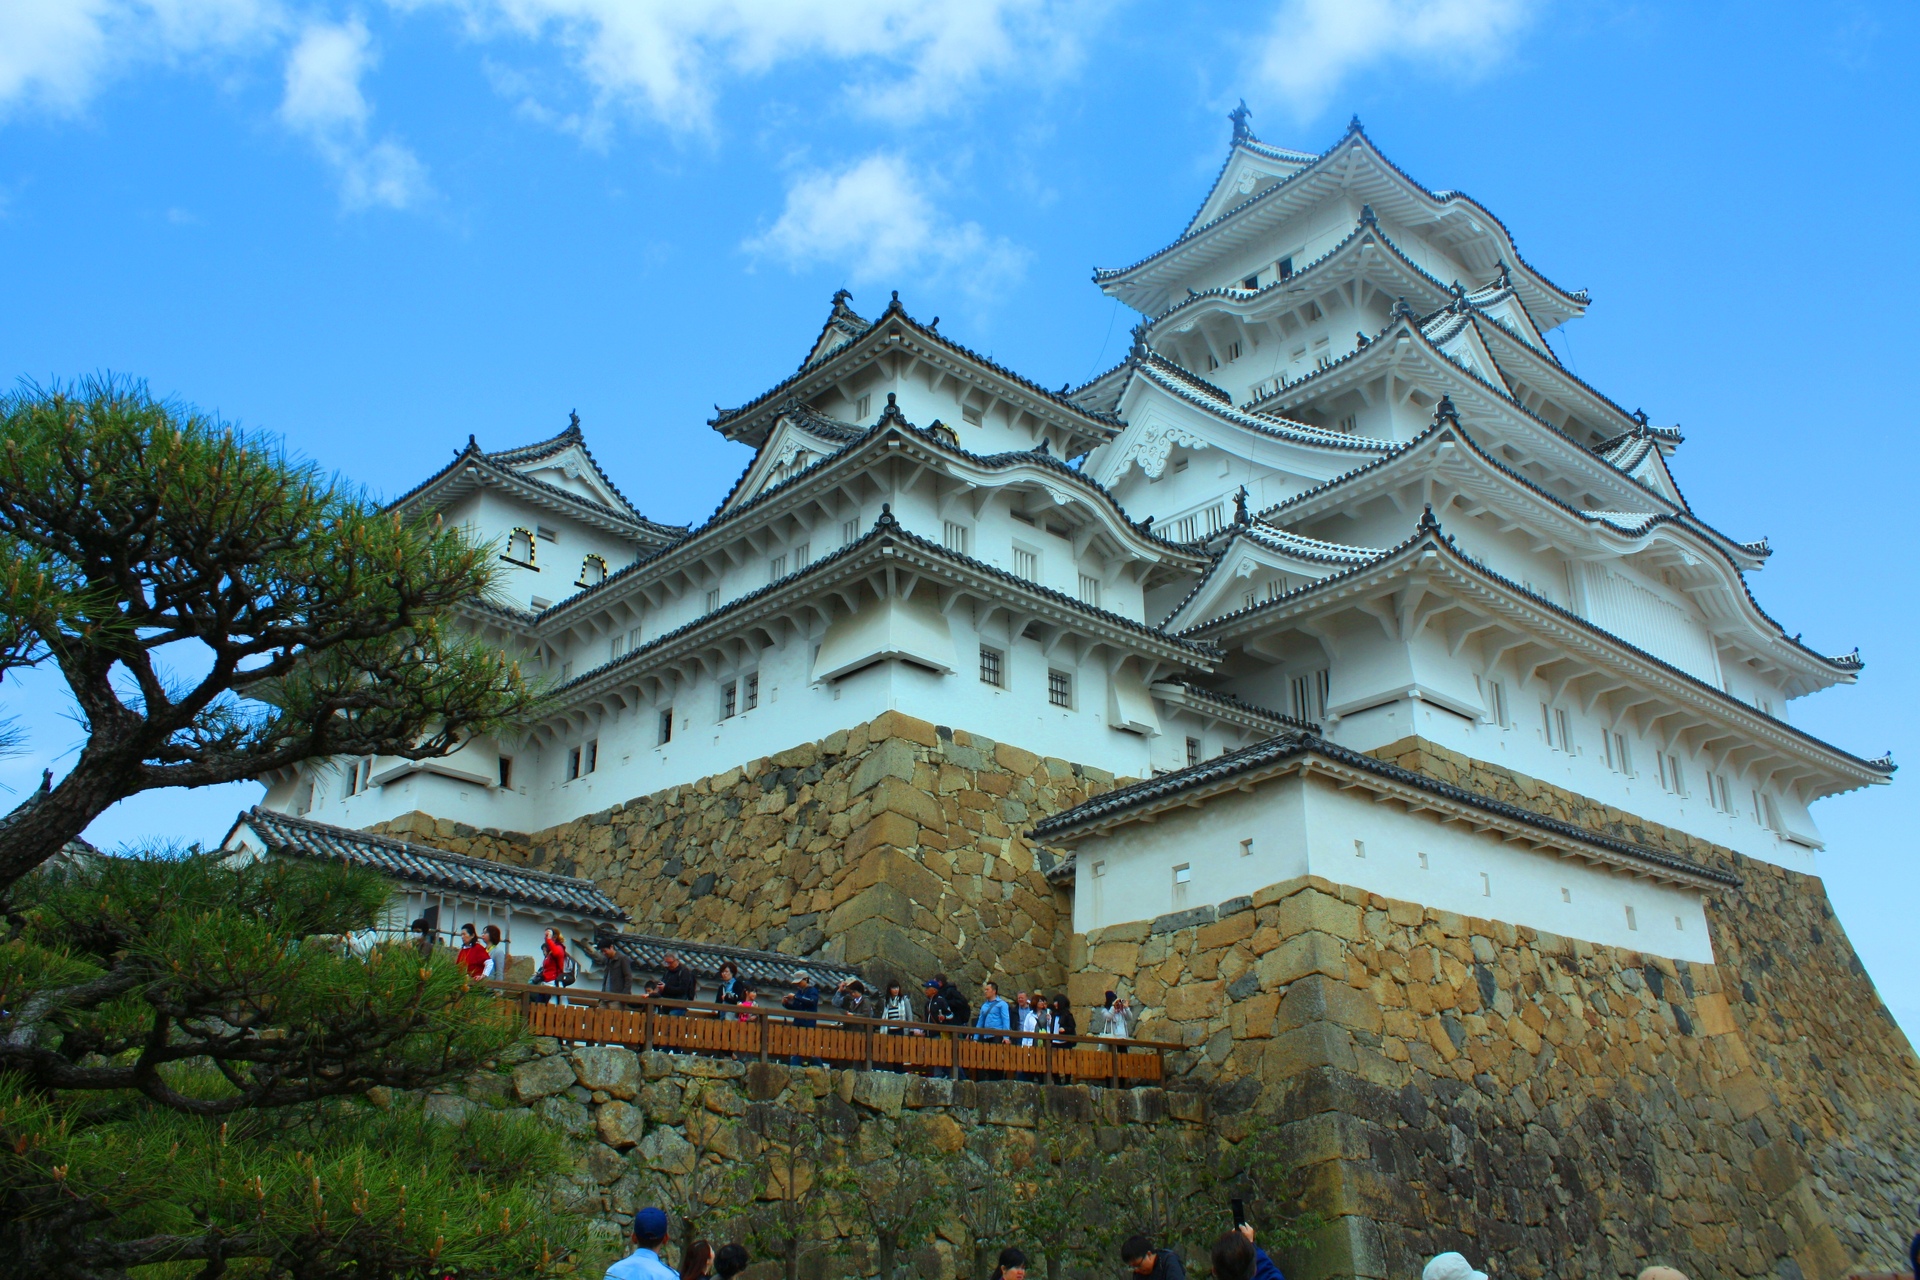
(1428, 521)
(886, 520)
(892, 413)
(1043, 448)
(1401, 309)
(1444, 412)
(1639, 416)
(1367, 218)
(1354, 126)
(1240, 115)
(1240, 515)
(1140, 339)
(573, 421)
(840, 297)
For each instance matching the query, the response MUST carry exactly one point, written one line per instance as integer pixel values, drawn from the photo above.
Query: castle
(1338, 675)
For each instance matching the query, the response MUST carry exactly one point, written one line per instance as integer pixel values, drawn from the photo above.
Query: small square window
(666, 726)
(1060, 688)
(1183, 873)
(992, 667)
(1100, 868)
(970, 413)
(1251, 282)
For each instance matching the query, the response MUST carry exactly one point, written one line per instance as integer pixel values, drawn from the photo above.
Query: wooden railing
(772, 1033)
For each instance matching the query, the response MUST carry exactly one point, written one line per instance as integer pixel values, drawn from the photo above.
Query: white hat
(1451, 1266)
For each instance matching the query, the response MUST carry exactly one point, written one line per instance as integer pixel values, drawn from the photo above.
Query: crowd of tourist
(942, 1003)
(1235, 1256)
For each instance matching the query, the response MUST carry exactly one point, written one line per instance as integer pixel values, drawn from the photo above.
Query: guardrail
(772, 1032)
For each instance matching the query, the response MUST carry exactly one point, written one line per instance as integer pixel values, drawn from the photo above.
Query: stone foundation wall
(630, 1117)
(1548, 1106)
(897, 847)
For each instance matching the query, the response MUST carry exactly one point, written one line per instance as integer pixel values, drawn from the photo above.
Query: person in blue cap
(649, 1233)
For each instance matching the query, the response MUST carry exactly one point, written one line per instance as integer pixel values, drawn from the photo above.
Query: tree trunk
(42, 825)
(792, 1258)
(889, 1251)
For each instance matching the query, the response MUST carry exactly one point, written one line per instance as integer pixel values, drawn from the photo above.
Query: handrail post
(1114, 1067)
(1046, 1059)
(869, 1046)
(649, 1026)
(953, 1042)
(766, 1032)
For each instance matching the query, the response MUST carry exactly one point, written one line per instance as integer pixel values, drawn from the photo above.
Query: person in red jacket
(472, 955)
(553, 962)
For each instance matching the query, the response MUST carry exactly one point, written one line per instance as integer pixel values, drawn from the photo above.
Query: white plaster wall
(1523, 748)
(1298, 827)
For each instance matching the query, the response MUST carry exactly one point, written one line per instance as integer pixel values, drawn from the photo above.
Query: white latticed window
(954, 536)
(1090, 589)
(1026, 564)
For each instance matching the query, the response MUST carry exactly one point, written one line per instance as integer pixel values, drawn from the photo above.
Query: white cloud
(878, 221)
(324, 103)
(56, 54)
(1312, 46)
(664, 58)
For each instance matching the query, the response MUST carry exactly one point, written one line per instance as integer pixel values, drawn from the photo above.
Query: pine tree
(141, 541)
(189, 1072)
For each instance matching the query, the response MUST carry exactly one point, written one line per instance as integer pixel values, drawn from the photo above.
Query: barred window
(991, 670)
(729, 699)
(1193, 752)
(1060, 687)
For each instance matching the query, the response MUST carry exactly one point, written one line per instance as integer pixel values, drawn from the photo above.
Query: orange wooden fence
(839, 1039)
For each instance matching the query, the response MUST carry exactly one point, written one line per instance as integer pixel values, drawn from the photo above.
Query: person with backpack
(557, 967)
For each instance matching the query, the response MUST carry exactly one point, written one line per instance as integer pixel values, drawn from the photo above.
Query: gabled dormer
(1643, 454)
(799, 439)
(1254, 563)
(1250, 168)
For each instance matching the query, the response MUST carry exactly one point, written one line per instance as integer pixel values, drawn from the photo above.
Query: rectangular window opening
(666, 727)
(1183, 873)
(1633, 921)
(573, 763)
(971, 414)
(802, 554)
(506, 773)
(862, 407)
(850, 532)
(750, 691)
(729, 699)
(713, 600)
(1246, 848)
(953, 536)
(1359, 848)
(590, 756)
(992, 667)
(1090, 590)
(1060, 688)
(1026, 564)
(776, 568)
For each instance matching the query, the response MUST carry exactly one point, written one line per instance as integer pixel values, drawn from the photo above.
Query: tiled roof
(1428, 533)
(502, 463)
(288, 836)
(772, 970)
(887, 530)
(1300, 742)
(928, 334)
(1291, 544)
(1354, 130)
(1230, 702)
(995, 461)
(1154, 368)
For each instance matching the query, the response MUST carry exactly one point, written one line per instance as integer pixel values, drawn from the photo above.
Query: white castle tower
(1338, 677)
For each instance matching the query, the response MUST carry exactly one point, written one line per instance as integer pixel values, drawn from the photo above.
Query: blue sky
(375, 228)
